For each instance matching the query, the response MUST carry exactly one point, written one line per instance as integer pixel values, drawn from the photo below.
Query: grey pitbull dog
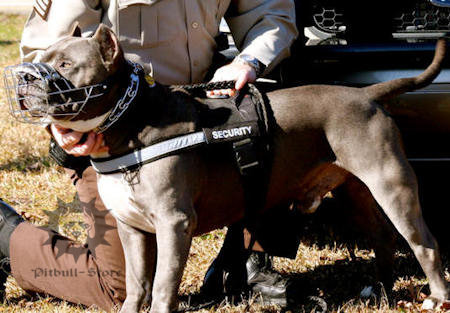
(323, 135)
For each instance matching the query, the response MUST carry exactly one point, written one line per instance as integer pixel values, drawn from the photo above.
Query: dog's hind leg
(365, 213)
(367, 143)
(140, 256)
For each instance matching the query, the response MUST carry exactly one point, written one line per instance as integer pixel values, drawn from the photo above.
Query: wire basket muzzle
(38, 94)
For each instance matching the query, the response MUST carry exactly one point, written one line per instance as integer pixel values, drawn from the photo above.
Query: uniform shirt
(172, 39)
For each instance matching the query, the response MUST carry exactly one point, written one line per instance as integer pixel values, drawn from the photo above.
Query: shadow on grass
(343, 281)
(8, 42)
(26, 164)
(336, 284)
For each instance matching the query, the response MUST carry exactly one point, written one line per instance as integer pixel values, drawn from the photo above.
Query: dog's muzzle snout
(36, 92)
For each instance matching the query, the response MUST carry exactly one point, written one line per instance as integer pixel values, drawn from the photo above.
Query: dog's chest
(119, 198)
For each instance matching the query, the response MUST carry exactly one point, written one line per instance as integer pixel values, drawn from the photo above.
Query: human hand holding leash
(240, 72)
(73, 142)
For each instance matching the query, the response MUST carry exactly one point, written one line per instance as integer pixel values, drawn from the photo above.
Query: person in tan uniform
(174, 41)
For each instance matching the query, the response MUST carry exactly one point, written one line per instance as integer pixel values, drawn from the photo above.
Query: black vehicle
(357, 43)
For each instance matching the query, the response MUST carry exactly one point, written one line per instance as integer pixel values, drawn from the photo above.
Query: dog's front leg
(140, 256)
(174, 229)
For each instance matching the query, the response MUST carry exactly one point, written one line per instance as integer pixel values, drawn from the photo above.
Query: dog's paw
(431, 305)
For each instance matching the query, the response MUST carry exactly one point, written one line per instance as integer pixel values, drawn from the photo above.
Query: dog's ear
(110, 49)
(76, 30)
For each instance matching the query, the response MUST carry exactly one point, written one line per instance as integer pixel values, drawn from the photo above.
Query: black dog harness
(246, 129)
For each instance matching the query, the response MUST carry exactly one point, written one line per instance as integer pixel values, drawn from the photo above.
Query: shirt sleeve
(42, 31)
(264, 29)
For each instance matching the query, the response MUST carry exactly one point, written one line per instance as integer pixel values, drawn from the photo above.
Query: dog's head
(72, 77)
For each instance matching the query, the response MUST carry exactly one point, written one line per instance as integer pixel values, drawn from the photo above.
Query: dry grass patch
(10, 32)
(33, 184)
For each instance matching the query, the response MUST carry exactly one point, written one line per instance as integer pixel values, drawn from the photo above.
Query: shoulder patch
(42, 7)
(150, 80)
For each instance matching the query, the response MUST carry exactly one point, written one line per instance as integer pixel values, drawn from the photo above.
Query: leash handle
(227, 84)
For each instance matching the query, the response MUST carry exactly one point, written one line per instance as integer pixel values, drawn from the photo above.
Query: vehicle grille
(329, 19)
(423, 17)
(419, 16)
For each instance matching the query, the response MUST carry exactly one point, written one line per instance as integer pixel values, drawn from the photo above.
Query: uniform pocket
(210, 15)
(165, 22)
(137, 22)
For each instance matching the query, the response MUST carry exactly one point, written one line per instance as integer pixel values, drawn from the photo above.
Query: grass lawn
(33, 184)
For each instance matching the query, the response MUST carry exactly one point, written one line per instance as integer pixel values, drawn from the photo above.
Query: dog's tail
(392, 88)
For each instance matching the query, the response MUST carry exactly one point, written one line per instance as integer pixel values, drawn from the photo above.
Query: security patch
(232, 132)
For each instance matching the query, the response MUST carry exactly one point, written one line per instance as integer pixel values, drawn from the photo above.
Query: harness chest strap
(233, 132)
(148, 154)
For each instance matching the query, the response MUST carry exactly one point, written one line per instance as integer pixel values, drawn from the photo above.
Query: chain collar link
(123, 104)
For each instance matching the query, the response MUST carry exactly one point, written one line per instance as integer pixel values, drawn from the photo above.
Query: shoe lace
(264, 270)
(5, 265)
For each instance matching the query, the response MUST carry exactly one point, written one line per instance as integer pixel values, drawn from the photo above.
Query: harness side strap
(147, 154)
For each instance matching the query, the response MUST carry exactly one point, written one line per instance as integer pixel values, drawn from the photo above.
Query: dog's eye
(65, 64)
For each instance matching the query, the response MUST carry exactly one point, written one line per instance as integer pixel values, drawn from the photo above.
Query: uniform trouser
(43, 261)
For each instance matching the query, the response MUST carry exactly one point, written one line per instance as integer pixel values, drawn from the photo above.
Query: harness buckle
(247, 156)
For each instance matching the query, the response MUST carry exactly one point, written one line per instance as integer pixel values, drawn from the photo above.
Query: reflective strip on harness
(148, 154)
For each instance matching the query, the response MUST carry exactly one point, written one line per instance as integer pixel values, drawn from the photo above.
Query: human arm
(263, 30)
(42, 31)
